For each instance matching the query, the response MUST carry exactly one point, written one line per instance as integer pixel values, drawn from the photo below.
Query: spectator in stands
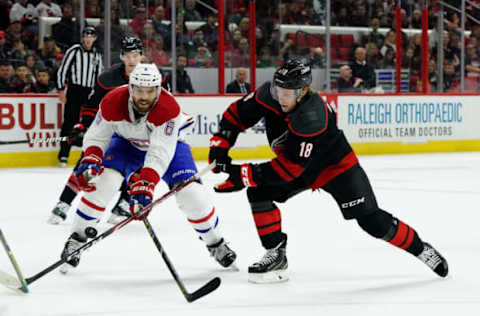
(5, 76)
(161, 28)
(4, 50)
(117, 33)
(21, 82)
(236, 37)
(4, 14)
(155, 52)
(265, 58)
(210, 31)
(244, 27)
(389, 43)
(341, 18)
(147, 31)
(374, 36)
(196, 42)
(43, 83)
(359, 16)
(432, 75)
(274, 43)
(203, 58)
(66, 32)
(48, 8)
(373, 57)
(362, 70)
(317, 57)
(241, 57)
(348, 83)
(190, 13)
(240, 84)
(388, 61)
(416, 20)
(451, 78)
(183, 81)
(18, 53)
(22, 11)
(139, 20)
(32, 64)
(472, 62)
(93, 9)
(14, 33)
(182, 35)
(261, 39)
(48, 52)
(288, 50)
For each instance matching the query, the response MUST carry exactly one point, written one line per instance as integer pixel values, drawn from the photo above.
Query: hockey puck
(91, 232)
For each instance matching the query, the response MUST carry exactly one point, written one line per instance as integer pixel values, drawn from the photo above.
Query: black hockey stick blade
(208, 288)
(19, 283)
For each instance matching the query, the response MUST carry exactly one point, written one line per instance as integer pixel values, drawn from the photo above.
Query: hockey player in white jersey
(135, 136)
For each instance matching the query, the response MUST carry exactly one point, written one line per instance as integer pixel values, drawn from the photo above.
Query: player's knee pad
(108, 184)
(194, 200)
(377, 223)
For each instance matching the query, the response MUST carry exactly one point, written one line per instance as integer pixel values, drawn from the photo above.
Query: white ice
(335, 268)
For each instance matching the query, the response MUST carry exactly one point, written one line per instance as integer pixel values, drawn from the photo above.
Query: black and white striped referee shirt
(79, 67)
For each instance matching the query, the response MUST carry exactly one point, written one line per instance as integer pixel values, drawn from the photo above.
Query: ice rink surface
(335, 268)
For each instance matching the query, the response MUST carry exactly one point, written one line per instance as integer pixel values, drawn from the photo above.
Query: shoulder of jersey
(263, 96)
(311, 119)
(166, 109)
(114, 104)
(112, 78)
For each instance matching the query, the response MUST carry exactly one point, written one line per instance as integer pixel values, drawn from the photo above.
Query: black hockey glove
(219, 148)
(76, 136)
(240, 176)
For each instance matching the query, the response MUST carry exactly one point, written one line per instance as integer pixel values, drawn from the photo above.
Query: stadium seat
(347, 40)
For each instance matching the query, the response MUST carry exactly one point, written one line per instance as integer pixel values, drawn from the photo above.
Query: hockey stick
(35, 140)
(5, 278)
(211, 286)
(111, 230)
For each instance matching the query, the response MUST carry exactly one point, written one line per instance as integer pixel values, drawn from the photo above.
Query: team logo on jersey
(169, 128)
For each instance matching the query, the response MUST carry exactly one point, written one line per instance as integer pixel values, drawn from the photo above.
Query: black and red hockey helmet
(131, 44)
(294, 74)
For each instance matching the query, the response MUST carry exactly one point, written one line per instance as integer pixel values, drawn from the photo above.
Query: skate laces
(430, 257)
(72, 245)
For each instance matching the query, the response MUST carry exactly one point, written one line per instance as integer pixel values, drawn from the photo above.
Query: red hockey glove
(89, 168)
(219, 148)
(140, 188)
(240, 176)
(76, 136)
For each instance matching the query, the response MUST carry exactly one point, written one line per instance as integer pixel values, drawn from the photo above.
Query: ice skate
(119, 212)
(272, 268)
(59, 213)
(223, 254)
(434, 260)
(74, 242)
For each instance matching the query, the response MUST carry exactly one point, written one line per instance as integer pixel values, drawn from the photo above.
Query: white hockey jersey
(156, 133)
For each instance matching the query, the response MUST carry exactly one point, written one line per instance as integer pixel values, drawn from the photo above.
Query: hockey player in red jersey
(311, 153)
(135, 136)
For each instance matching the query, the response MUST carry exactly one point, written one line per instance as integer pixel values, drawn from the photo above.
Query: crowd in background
(29, 64)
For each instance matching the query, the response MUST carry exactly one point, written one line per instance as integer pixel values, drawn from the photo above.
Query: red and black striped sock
(405, 237)
(269, 224)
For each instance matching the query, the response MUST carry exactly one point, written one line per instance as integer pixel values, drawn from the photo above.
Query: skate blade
(115, 219)
(54, 219)
(232, 268)
(66, 268)
(268, 277)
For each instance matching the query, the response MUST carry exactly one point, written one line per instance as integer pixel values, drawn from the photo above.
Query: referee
(79, 70)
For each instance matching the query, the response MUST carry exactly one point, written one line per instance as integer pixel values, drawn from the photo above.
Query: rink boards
(374, 124)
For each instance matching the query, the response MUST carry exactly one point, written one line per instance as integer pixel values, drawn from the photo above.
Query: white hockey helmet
(145, 75)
